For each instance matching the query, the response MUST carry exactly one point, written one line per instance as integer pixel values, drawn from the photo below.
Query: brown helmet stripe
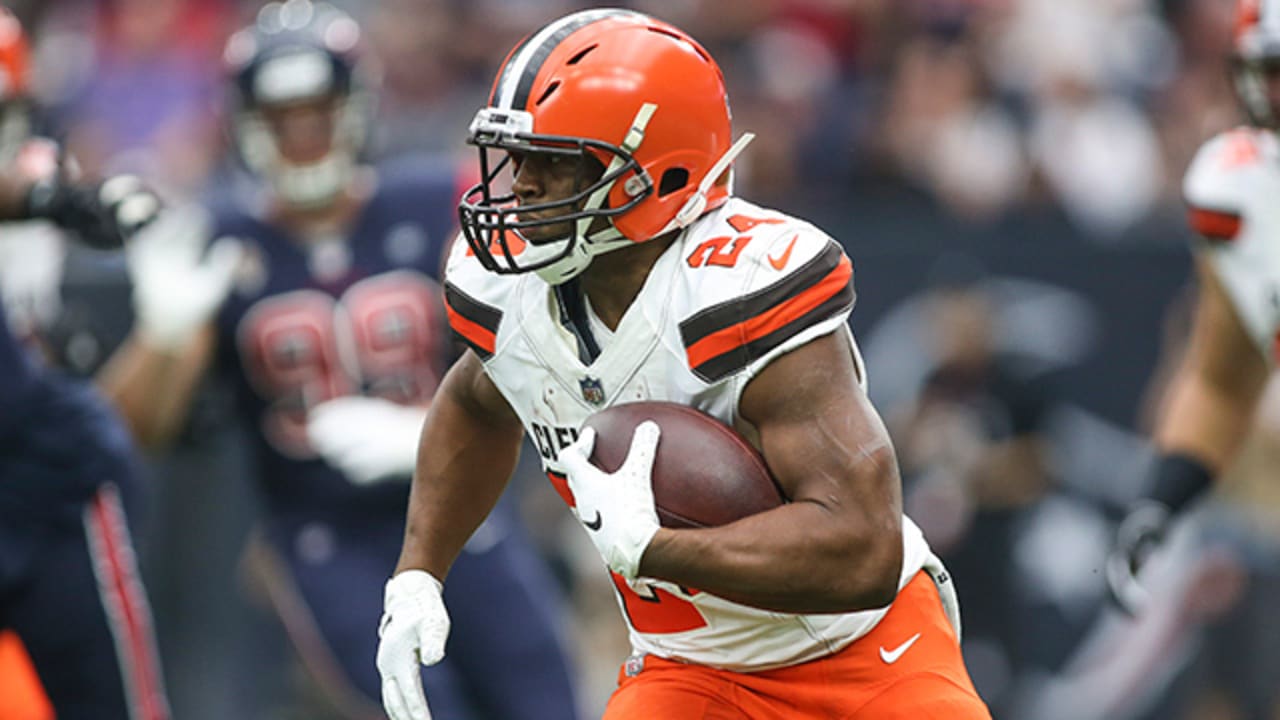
(515, 83)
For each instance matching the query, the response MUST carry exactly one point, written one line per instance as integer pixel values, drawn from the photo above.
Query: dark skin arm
(468, 451)
(837, 547)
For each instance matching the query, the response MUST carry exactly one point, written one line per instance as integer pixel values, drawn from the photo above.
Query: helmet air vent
(581, 54)
(680, 38)
(547, 93)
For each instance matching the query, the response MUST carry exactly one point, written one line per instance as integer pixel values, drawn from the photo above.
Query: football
(705, 474)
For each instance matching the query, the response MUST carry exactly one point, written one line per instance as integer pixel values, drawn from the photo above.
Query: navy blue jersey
(317, 319)
(58, 440)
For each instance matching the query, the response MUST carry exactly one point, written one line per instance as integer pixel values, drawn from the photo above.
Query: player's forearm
(818, 555)
(1207, 419)
(462, 469)
(152, 389)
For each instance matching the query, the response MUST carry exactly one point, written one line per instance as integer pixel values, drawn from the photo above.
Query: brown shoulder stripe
(472, 321)
(727, 337)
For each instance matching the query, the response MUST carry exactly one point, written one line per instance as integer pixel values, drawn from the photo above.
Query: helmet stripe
(516, 82)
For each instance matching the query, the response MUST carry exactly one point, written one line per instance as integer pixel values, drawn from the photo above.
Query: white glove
(617, 509)
(177, 285)
(367, 438)
(32, 255)
(1140, 534)
(413, 630)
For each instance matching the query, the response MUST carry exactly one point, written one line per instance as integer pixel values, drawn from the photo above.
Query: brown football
(705, 474)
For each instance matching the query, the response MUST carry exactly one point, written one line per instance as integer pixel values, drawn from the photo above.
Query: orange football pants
(926, 679)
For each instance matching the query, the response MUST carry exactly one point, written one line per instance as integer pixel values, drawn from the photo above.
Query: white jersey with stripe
(740, 287)
(1232, 189)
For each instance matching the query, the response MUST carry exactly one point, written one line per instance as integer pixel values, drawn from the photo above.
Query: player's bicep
(471, 398)
(820, 435)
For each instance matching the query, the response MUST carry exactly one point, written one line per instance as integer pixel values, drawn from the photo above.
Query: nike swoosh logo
(891, 656)
(595, 523)
(781, 261)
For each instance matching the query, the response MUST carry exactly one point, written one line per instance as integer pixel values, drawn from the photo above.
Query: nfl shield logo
(592, 390)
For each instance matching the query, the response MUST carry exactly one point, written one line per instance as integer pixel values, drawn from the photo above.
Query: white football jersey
(740, 287)
(1232, 189)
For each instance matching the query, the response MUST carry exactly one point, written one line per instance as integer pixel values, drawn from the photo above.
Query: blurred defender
(69, 586)
(325, 310)
(1230, 189)
(606, 261)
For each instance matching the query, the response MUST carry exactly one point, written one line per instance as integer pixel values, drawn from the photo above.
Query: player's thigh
(507, 613)
(925, 696)
(86, 623)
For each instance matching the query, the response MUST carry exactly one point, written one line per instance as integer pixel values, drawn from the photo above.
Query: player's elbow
(883, 576)
(861, 571)
(875, 583)
(872, 541)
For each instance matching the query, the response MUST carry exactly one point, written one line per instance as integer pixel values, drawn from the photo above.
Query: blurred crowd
(1006, 177)
(1092, 106)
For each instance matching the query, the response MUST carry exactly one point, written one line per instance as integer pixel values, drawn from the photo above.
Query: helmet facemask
(488, 211)
(310, 184)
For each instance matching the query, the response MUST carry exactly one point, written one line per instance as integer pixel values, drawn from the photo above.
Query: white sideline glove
(413, 630)
(177, 285)
(367, 438)
(1141, 533)
(32, 255)
(617, 509)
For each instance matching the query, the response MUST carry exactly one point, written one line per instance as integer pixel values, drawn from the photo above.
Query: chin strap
(697, 203)
(629, 144)
(587, 245)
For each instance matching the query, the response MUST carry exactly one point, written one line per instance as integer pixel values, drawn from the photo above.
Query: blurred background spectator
(1005, 175)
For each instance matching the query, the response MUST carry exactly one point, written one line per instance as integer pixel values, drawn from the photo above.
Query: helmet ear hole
(673, 179)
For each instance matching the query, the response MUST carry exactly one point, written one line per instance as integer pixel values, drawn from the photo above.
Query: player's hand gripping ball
(704, 473)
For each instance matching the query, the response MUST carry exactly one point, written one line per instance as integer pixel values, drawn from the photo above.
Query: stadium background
(1005, 175)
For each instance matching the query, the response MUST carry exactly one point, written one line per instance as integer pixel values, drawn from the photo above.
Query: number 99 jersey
(1231, 189)
(740, 287)
(312, 320)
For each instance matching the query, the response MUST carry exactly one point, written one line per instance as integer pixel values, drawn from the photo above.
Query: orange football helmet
(636, 94)
(1255, 64)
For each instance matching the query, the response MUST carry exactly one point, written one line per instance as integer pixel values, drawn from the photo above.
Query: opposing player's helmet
(639, 96)
(299, 51)
(15, 112)
(1256, 60)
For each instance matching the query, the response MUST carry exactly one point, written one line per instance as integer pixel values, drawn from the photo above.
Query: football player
(606, 260)
(321, 303)
(1235, 337)
(69, 585)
